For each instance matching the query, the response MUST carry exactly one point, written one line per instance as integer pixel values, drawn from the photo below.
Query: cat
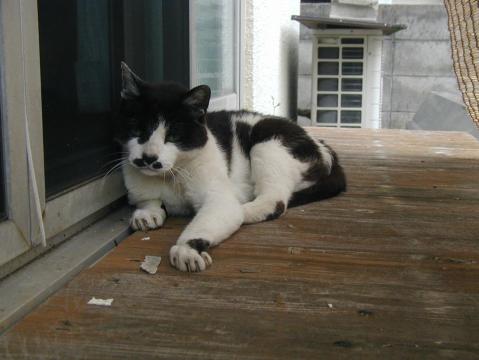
(226, 168)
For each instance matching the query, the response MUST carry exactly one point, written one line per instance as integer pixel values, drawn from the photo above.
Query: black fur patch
(291, 135)
(140, 116)
(324, 188)
(318, 170)
(278, 211)
(243, 134)
(164, 208)
(199, 245)
(219, 124)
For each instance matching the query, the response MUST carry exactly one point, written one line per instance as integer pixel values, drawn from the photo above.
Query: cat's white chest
(175, 201)
(170, 191)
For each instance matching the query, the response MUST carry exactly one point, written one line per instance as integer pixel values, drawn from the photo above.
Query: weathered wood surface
(388, 270)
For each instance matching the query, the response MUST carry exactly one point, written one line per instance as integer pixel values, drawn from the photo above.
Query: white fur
(199, 181)
(203, 186)
(276, 175)
(248, 118)
(148, 215)
(240, 173)
(167, 152)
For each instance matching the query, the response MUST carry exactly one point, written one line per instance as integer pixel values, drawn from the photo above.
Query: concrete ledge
(443, 111)
(25, 289)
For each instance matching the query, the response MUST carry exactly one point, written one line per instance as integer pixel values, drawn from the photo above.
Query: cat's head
(160, 124)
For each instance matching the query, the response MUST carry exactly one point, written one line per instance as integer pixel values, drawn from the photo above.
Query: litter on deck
(150, 264)
(101, 302)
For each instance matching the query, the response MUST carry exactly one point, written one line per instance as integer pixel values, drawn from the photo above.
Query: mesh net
(463, 22)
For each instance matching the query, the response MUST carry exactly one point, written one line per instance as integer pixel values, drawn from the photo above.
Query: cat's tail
(324, 188)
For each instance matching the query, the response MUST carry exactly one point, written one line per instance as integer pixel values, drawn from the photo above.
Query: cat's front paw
(147, 219)
(190, 258)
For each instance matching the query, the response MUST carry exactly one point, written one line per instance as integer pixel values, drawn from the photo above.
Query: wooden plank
(387, 270)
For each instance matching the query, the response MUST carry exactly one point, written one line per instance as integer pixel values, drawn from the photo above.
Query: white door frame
(22, 107)
(231, 101)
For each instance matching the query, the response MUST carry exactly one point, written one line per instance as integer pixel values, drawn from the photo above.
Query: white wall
(411, 2)
(270, 56)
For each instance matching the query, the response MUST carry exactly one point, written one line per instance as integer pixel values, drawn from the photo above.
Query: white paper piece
(150, 264)
(101, 302)
(330, 306)
(146, 238)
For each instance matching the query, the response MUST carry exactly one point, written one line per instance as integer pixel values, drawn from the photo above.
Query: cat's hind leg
(276, 175)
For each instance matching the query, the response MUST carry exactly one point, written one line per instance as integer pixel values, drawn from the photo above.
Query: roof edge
(318, 22)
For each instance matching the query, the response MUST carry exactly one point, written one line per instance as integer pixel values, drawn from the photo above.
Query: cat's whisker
(185, 174)
(115, 160)
(115, 167)
(183, 171)
(174, 180)
(184, 177)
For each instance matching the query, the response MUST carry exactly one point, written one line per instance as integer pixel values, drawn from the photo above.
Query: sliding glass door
(214, 39)
(80, 70)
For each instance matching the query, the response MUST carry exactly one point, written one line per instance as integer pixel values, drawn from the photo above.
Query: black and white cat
(228, 168)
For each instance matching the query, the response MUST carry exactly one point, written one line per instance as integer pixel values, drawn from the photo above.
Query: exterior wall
(416, 61)
(270, 59)
(305, 58)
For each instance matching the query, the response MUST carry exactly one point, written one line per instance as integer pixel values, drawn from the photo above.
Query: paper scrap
(330, 306)
(294, 250)
(102, 302)
(150, 264)
(146, 238)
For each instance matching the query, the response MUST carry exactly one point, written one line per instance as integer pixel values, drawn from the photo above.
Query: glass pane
(327, 100)
(350, 117)
(353, 52)
(328, 68)
(351, 101)
(214, 44)
(352, 41)
(327, 116)
(352, 68)
(352, 84)
(327, 84)
(328, 53)
(81, 45)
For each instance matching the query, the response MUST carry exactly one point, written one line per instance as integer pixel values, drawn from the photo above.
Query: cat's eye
(170, 138)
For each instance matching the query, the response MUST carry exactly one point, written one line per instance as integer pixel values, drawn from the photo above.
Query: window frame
(231, 101)
(370, 113)
(340, 76)
(20, 89)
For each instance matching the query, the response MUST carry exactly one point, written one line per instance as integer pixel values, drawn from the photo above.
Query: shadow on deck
(389, 269)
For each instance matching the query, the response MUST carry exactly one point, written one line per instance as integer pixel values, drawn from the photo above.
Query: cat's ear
(131, 83)
(198, 97)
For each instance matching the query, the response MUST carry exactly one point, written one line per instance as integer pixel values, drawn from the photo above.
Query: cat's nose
(156, 165)
(149, 159)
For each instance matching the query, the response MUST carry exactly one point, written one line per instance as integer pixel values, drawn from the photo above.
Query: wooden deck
(388, 270)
